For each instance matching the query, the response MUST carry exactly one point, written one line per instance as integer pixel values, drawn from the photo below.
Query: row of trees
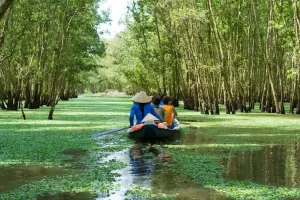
(45, 47)
(108, 75)
(210, 52)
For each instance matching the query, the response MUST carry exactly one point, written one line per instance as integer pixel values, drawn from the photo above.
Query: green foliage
(46, 48)
(207, 52)
(93, 180)
(138, 192)
(108, 73)
(42, 142)
(229, 134)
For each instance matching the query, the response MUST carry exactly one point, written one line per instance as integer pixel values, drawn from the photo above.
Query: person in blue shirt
(141, 108)
(156, 105)
(161, 97)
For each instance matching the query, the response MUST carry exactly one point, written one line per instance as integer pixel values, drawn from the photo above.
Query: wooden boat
(150, 131)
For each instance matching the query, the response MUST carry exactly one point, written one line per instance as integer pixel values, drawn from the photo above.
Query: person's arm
(153, 112)
(131, 116)
(163, 113)
(175, 113)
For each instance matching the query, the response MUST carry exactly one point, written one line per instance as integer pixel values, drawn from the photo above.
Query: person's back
(170, 112)
(141, 108)
(156, 104)
(159, 112)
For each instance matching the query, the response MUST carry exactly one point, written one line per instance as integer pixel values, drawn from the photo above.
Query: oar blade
(108, 132)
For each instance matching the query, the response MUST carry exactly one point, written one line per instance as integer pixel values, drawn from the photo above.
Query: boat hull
(152, 132)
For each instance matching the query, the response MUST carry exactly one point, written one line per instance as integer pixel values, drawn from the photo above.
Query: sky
(117, 11)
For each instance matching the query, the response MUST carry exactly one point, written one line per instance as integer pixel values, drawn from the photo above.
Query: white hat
(150, 117)
(141, 97)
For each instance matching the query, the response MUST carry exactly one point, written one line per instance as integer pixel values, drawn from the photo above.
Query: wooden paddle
(108, 132)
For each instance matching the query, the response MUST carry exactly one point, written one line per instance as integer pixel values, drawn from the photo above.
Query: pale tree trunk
(228, 98)
(4, 6)
(56, 84)
(162, 56)
(295, 60)
(269, 57)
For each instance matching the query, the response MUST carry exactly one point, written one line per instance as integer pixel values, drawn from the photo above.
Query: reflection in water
(142, 164)
(274, 165)
(76, 154)
(144, 169)
(13, 177)
(164, 181)
(67, 196)
(74, 158)
(194, 139)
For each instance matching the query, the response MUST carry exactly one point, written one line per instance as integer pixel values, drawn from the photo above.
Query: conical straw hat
(150, 117)
(141, 97)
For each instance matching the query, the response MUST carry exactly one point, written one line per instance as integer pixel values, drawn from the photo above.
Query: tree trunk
(22, 110)
(36, 97)
(3, 105)
(27, 95)
(52, 108)
(16, 100)
(4, 6)
(10, 101)
(298, 107)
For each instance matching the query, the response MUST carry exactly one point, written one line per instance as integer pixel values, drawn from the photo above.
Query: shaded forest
(202, 52)
(207, 53)
(45, 48)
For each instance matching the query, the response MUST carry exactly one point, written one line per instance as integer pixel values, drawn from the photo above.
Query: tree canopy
(205, 53)
(211, 52)
(45, 48)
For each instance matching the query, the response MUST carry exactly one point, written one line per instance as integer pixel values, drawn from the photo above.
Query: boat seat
(150, 122)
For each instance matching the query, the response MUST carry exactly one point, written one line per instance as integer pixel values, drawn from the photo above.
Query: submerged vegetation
(49, 144)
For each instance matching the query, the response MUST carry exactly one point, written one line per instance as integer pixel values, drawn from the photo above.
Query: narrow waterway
(147, 167)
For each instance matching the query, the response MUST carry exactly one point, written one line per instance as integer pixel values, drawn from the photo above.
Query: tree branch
(14, 47)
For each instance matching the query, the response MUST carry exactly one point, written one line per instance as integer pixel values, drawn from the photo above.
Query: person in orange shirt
(170, 112)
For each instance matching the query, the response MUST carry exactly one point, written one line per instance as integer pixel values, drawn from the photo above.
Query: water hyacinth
(210, 153)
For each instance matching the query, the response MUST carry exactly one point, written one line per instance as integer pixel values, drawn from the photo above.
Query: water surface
(13, 177)
(67, 196)
(148, 167)
(277, 165)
